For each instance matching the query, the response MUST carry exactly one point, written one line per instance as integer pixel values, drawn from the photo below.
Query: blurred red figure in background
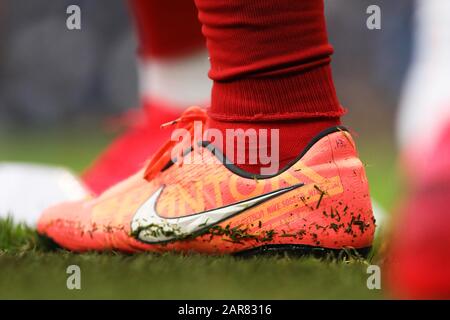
(419, 262)
(419, 256)
(173, 67)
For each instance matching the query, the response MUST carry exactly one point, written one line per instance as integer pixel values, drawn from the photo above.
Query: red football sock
(270, 63)
(166, 28)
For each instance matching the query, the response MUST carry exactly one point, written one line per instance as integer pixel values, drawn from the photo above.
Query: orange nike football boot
(319, 203)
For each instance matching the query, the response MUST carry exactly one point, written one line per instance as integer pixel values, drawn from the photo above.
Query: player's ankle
(299, 95)
(269, 146)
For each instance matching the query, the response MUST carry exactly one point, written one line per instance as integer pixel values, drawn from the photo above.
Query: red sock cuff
(309, 94)
(269, 59)
(167, 28)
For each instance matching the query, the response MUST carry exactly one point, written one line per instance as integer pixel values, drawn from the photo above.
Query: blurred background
(50, 74)
(55, 81)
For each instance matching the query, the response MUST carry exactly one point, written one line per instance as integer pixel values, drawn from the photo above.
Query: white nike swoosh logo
(149, 227)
